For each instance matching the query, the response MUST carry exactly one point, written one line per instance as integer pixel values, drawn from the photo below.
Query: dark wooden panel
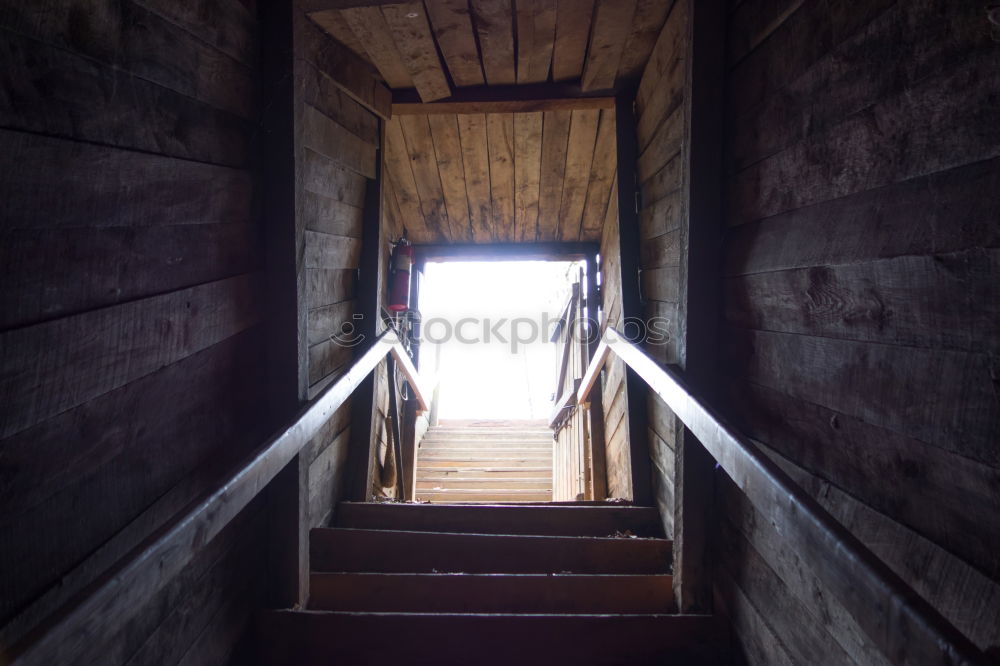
(646, 25)
(944, 301)
(128, 37)
(944, 398)
(326, 321)
(754, 641)
(939, 213)
(326, 137)
(664, 144)
(52, 91)
(106, 187)
(326, 479)
(855, 456)
(320, 91)
(970, 600)
(326, 251)
(58, 365)
(602, 176)
(229, 25)
(945, 122)
(165, 424)
(53, 273)
(663, 80)
(901, 47)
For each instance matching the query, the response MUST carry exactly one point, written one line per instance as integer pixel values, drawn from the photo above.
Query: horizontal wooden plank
(495, 593)
(305, 637)
(55, 366)
(938, 213)
(327, 477)
(508, 106)
(106, 187)
(942, 123)
(228, 25)
(966, 597)
(328, 320)
(52, 91)
(326, 286)
(666, 143)
(179, 541)
(661, 251)
(182, 414)
(881, 61)
(854, 455)
(328, 138)
(320, 91)
(941, 397)
(326, 251)
(943, 301)
(324, 176)
(128, 37)
(421, 552)
(330, 216)
(60, 272)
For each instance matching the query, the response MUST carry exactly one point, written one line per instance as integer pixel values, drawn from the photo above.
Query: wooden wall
(131, 325)
(660, 118)
(614, 394)
(336, 143)
(861, 274)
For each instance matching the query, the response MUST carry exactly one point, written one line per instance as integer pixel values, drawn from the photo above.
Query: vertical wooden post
(632, 314)
(286, 371)
(598, 461)
(363, 409)
(701, 230)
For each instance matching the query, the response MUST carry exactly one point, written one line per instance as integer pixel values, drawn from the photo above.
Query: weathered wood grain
(326, 251)
(662, 147)
(325, 136)
(963, 595)
(646, 25)
(945, 301)
(527, 172)
(412, 32)
(52, 91)
(579, 159)
(573, 19)
(326, 286)
(555, 143)
(944, 398)
(476, 163)
(448, 152)
(494, 26)
(500, 137)
(327, 178)
(229, 25)
(452, 26)
(332, 22)
(379, 42)
(602, 176)
(128, 37)
(416, 131)
(663, 83)
(609, 32)
(536, 29)
(404, 185)
(57, 365)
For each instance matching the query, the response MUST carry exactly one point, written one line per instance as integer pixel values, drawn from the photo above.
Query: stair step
(492, 454)
(452, 482)
(385, 551)
(483, 462)
(324, 637)
(484, 495)
(488, 472)
(594, 520)
(491, 593)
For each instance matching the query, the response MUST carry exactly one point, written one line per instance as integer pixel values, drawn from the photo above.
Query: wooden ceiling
(501, 177)
(438, 46)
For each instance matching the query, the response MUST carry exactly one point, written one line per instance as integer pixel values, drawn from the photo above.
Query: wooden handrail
(901, 623)
(160, 558)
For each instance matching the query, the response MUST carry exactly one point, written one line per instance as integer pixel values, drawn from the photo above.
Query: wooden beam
(71, 638)
(599, 465)
(503, 106)
(514, 93)
(505, 251)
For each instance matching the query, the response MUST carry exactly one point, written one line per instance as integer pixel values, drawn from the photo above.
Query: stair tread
(317, 637)
(544, 519)
(404, 551)
(491, 592)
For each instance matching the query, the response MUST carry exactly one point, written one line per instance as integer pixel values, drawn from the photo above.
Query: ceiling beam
(504, 99)
(574, 251)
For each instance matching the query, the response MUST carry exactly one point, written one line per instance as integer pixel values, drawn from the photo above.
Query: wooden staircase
(485, 461)
(458, 584)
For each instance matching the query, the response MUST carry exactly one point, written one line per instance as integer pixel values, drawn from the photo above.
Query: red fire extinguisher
(399, 279)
